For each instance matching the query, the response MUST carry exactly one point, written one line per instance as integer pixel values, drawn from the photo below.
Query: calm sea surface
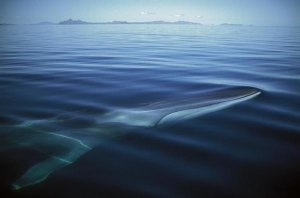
(80, 72)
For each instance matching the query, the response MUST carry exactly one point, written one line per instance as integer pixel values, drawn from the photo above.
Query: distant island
(45, 23)
(231, 24)
(80, 22)
(73, 22)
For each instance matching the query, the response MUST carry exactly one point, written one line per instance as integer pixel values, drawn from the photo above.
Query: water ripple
(73, 75)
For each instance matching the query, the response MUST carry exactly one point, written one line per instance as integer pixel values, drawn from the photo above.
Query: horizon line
(157, 22)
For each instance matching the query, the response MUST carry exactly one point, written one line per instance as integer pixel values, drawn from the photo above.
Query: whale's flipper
(39, 172)
(62, 151)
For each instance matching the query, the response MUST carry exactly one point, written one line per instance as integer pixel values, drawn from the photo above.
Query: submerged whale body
(65, 148)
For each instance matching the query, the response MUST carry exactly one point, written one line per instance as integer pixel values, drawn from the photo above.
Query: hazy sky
(256, 12)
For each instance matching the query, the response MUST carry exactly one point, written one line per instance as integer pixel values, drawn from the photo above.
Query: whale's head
(209, 102)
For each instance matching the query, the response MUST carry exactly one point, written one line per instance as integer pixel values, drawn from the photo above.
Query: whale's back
(185, 107)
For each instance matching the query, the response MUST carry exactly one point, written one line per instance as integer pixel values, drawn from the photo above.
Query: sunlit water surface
(249, 150)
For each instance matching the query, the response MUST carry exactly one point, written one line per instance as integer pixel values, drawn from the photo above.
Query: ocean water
(68, 76)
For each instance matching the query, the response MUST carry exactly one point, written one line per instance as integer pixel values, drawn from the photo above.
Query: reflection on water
(69, 76)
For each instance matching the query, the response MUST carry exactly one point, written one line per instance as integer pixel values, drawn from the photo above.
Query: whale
(62, 146)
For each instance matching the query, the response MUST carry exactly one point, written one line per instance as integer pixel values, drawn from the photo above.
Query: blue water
(249, 150)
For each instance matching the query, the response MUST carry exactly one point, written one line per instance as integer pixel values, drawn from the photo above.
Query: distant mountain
(184, 22)
(79, 22)
(166, 22)
(231, 24)
(152, 22)
(117, 22)
(45, 23)
(73, 22)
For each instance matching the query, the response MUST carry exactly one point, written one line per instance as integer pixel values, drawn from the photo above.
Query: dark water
(249, 150)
